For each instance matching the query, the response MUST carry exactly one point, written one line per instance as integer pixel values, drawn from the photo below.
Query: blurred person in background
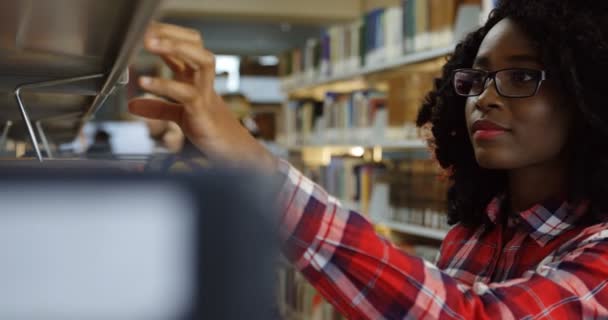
(101, 146)
(241, 108)
(519, 121)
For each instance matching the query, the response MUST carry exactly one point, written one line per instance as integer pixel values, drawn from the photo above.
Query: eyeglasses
(509, 83)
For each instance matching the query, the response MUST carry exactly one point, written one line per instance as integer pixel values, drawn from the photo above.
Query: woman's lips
(487, 134)
(487, 130)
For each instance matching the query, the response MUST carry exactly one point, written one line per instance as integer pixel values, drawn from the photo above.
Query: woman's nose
(489, 98)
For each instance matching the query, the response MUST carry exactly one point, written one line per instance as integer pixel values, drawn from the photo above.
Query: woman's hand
(198, 110)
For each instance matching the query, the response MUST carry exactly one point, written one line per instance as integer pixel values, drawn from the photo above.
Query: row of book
(379, 36)
(349, 178)
(353, 110)
(360, 109)
(338, 111)
(418, 191)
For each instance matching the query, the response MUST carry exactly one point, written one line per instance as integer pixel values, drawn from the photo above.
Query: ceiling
(248, 38)
(306, 12)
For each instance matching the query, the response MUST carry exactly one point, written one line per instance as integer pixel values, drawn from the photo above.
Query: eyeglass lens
(509, 83)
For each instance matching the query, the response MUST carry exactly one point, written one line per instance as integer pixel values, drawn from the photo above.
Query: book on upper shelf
(381, 36)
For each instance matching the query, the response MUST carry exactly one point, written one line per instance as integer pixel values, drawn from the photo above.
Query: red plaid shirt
(545, 264)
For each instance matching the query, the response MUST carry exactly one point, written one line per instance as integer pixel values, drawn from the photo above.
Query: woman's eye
(522, 76)
(477, 80)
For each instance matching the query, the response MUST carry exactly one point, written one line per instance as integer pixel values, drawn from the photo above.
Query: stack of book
(379, 36)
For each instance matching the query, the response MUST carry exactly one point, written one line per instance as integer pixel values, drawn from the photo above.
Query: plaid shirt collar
(544, 221)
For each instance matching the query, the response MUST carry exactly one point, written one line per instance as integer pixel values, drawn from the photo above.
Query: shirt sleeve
(366, 277)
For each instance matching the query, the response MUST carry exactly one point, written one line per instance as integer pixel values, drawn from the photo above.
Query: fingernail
(145, 81)
(154, 42)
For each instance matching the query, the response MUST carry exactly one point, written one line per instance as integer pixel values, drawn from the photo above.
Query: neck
(531, 185)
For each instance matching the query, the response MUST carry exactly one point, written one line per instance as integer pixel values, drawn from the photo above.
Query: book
(354, 59)
(393, 33)
(409, 25)
(421, 37)
(325, 66)
(312, 58)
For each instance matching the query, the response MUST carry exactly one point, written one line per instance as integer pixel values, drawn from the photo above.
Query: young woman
(519, 120)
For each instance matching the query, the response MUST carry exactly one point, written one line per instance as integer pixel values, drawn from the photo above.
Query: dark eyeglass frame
(492, 76)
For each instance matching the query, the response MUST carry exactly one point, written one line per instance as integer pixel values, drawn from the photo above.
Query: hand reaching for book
(199, 111)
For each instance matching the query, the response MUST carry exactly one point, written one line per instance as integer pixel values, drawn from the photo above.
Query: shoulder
(592, 234)
(590, 237)
(459, 233)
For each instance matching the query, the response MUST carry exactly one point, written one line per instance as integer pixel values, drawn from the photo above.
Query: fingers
(175, 90)
(194, 56)
(174, 64)
(163, 30)
(174, 34)
(184, 51)
(156, 109)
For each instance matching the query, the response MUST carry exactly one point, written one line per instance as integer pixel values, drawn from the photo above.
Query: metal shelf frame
(25, 114)
(64, 57)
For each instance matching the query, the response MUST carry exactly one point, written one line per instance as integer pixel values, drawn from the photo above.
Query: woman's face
(513, 133)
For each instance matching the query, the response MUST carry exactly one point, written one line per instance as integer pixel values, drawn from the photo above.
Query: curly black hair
(572, 39)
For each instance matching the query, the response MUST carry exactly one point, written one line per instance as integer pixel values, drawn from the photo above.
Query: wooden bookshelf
(300, 82)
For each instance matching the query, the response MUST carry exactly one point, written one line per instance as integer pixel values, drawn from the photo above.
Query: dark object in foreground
(115, 245)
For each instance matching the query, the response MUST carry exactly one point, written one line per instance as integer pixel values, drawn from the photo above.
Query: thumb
(156, 109)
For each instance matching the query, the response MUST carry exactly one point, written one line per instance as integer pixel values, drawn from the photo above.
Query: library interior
(283, 159)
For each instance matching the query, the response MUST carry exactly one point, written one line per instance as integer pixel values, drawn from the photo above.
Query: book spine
(410, 17)
(325, 55)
